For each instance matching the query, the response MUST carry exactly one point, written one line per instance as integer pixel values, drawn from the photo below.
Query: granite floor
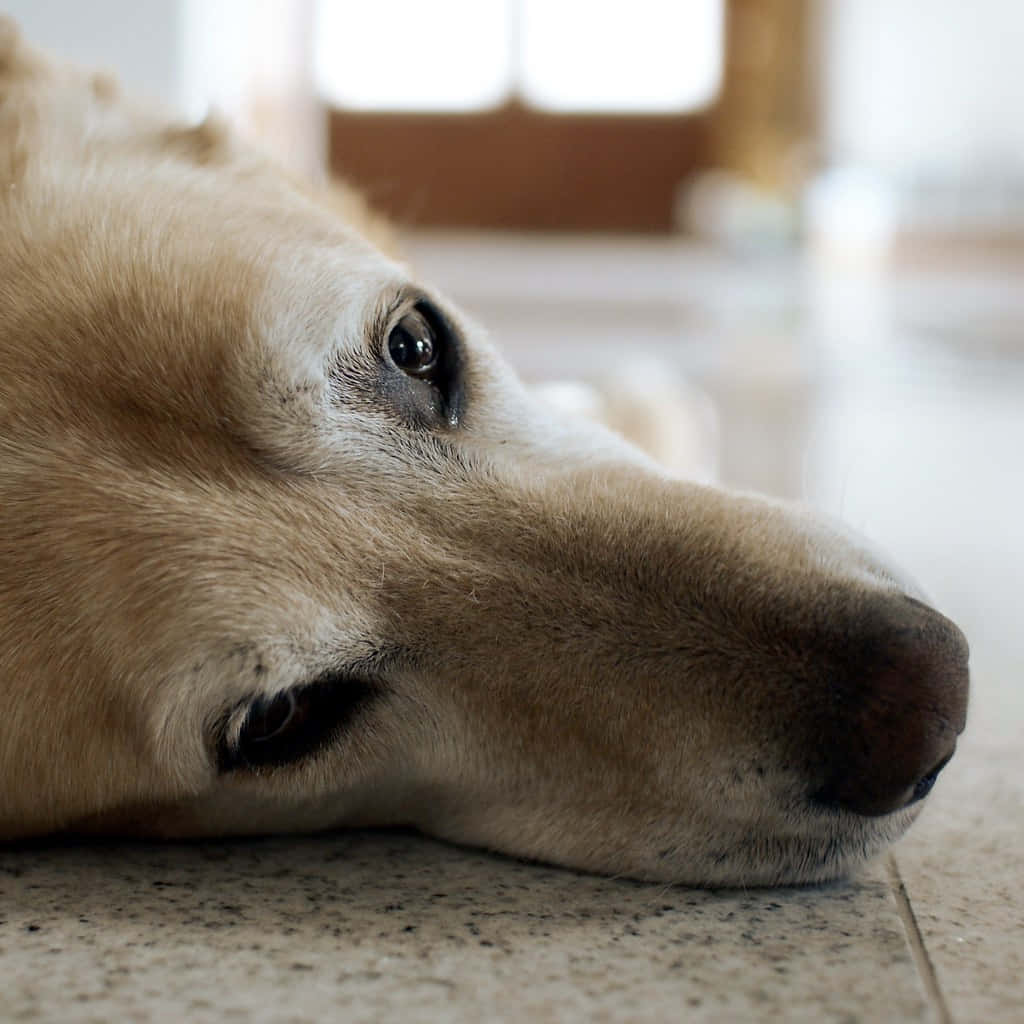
(896, 400)
(369, 927)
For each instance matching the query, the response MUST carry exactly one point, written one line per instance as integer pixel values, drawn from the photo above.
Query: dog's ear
(208, 142)
(10, 39)
(11, 156)
(17, 58)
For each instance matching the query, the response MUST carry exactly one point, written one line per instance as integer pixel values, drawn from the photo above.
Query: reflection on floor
(895, 402)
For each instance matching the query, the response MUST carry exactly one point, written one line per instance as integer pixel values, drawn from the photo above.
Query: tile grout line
(923, 962)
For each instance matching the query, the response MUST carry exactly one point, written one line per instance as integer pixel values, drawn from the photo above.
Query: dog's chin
(815, 845)
(805, 844)
(792, 861)
(766, 861)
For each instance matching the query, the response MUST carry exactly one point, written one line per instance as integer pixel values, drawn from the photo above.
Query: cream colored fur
(209, 492)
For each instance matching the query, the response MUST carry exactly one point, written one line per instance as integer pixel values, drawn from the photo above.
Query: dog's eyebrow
(389, 302)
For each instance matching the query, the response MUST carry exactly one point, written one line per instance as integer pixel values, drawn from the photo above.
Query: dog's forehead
(313, 302)
(171, 316)
(115, 223)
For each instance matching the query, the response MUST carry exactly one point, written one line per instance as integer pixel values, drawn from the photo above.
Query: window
(644, 56)
(431, 55)
(582, 115)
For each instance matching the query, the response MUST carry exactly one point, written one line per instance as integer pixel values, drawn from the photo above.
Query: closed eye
(283, 728)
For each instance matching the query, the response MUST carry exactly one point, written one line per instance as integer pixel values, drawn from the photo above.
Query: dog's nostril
(925, 783)
(875, 791)
(902, 702)
(870, 800)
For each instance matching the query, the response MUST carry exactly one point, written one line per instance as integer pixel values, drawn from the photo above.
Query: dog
(285, 546)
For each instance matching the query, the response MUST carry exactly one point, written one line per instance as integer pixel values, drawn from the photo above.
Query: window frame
(516, 167)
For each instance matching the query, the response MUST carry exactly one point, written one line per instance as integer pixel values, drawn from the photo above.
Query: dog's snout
(901, 702)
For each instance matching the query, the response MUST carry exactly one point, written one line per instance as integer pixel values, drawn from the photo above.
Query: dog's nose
(900, 703)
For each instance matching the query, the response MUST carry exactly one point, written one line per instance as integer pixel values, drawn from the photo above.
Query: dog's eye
(413, 345)
(268, 719)
(421, 356)
(291, 725)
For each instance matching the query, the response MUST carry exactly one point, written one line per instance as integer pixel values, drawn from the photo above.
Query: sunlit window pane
(636, 55)
(413, 54)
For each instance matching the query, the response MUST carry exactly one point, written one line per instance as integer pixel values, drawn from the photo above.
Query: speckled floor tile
(963, 865)
(372, 927)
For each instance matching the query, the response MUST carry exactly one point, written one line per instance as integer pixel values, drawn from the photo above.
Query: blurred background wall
(917, 87)
(564, 115)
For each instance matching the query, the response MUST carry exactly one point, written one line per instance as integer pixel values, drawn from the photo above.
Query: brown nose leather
(900, 703)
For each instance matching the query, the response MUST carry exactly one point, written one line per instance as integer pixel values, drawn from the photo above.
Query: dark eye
(413, 345)
(294, 724)
(268, 719)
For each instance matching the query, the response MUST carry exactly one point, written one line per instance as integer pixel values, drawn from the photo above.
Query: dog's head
(284, 546)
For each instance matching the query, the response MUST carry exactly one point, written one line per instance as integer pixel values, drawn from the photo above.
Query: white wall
(250, 59)
(931, 88)
(141, 41)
